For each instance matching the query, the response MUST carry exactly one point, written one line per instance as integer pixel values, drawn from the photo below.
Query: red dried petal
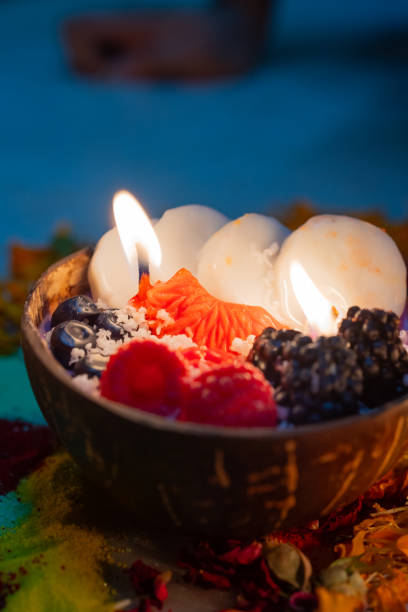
(240, 567)
(23, 447)
(211, 580)
(345, 517)
(160, 590)
(302, 538)
(146, 581)
(243, 556)
(142, 577)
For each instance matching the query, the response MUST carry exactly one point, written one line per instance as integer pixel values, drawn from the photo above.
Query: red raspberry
(204, 359)
(147, 375)
(234, 395)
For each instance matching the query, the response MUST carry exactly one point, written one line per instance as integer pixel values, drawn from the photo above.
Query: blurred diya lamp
(210, 479)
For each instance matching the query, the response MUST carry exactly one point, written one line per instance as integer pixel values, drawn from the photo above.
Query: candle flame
(320, 315)
(135, 228)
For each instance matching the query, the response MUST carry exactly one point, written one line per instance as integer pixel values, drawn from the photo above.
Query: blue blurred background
(325, 118)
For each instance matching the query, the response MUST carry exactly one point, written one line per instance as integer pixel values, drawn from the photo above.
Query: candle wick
(143, 260)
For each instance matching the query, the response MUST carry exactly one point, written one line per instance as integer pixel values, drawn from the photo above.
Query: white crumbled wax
(182, 232)
(237, 263)
(242, 347)
(136, 327)
(109, 273)
(341, 262)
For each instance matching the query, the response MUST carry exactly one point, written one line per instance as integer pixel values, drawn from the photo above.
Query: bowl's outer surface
(203, 480)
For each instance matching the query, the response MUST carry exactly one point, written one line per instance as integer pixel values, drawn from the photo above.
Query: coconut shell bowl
(203, 480)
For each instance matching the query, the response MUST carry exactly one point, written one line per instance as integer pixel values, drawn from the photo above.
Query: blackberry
(321, 380)
(374, 336)
(268, 350)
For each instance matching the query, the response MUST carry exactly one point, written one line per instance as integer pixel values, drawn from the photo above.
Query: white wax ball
(182, 231)
(236, 263)
(109, 273)
(349, 262)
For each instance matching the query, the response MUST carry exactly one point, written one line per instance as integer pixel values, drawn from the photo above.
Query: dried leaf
(26, 265)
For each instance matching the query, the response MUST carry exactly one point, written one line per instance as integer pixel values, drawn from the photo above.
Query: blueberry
(69, 335)
(78, 308)
(93, 365)
(108, 319)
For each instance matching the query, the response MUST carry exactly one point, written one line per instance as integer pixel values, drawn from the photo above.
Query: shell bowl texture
(203, 480)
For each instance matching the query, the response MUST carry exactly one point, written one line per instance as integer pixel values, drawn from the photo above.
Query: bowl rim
(33, 337)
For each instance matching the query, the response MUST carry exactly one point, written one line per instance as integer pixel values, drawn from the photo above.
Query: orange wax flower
(198, 314)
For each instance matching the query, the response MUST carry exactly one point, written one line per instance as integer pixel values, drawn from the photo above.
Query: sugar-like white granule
(166, 320)
(180, 341)
(133, 321)
(242, 347)
(76, 355)
(136, 327)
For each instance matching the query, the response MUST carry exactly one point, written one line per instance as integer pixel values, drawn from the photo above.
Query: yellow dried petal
(402, 544)
(331, 601)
